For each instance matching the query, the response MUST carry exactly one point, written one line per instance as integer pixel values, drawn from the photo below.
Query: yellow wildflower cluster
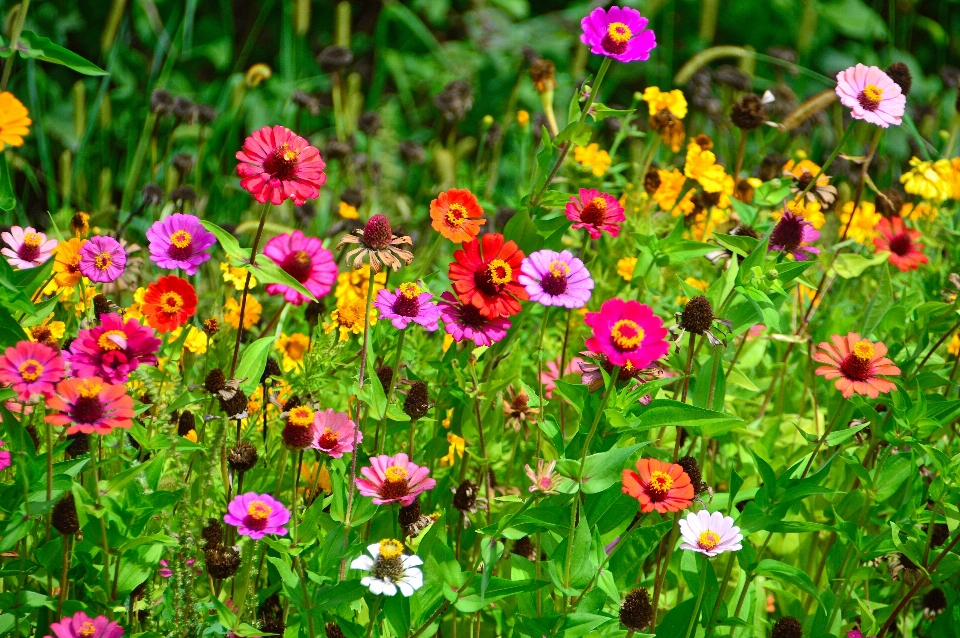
(592, 157)
(701, 165)
(237, 276)
(457, 445)
(347, 211)
(936, 181)
(671, 183)
(348, 316)
(673, 101)
(625, 267)
(864, 221)
(354, 283)
(251, 313)
(921, 211)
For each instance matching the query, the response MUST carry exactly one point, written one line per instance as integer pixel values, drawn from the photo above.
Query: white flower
(389, 569)
(710, 534)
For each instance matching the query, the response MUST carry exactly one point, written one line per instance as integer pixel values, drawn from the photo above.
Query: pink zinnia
(27, 247)
(394, 479)
(409, 302)
(856, 363)
(596, 212)
(90, 406)
(556, 279)
(620, 33)
(32, 369)
(549, 376)
(306, 260)
(113, 349)
(81, 625)
(871, 95)
(180, 241)
(102, 259)
(793, 234)
(464, 321)
(627, 332)
(4, 458)
(334, 433)
(710, 534)
(276, 164)
(256, 515)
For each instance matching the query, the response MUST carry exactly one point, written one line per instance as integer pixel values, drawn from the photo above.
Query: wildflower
(625, 268)
(377, 242)
(81, 625)
(237, 276)
(596, 212)
(90, 406)
(523, 118)
(256, 515)
(555, 279)
(348, 317)
(298, 430)
(195, 342)
(663, 487)
(927, 179)
(787, 626)
(14, 123)
(251, 313)
(66, 263)
(668, 190)
(543, 72)
(180, 241)
(636, 610)
(793, 234)
(484, 274)
(394, 479)
(865, 220)
(697, 317)
(354, 283)
(457, 215)
(871, 95)
(627, 331)
(692, 468)
(802, 173)
(811, 211)
(620, 33)
(549, 376)
(900, 73)
(306, 260)
(906, 253)
(102, 259)
(856, 363)
(701, 165)
(27, 247)
(919, 211)
(389, 569)
(409, 302)
(670, 128)
(4, 457)
(457, 446)
(543, 480)
(593, 158)
(293, 348)
(334, 433)
(465, 321)
(954, 346)
(166, 572)
(112, 350)
(276, 164)
(32, 369)
(517, 411)
(709, 534)
(168, 303)
(673, 101)
(346, 211)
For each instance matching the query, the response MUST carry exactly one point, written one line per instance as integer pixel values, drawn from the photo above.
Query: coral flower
(409, 302)
(793, 234)
(306, 260)
(256, 515)
(112, 350)
(168, 303)
(596, 212)
(81, 625)
(464, 321)
(484, 274)
(334, 433)
(871, 95)
(180, 241)
(456, 215)
(14, 123)
(856, 363)
(906, 253)
(276, 164)
(556, 279)
(66, 263)
(90, 406)
(27, 247)
(663, 487)
(627, 332)
(709, 534)
(394, 479)
(32, 369)
(102, 259)
(620, 33)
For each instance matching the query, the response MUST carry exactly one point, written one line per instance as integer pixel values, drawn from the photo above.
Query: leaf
(396, 609)
(789, 575)
(253, 363)
(893, 474)
(849, 265)
(756, 258)
(880, 302)
(742, 245)
(790, 270)
(523, 231)
(37, 47)
(227, 241)
(705, 380)
(835, 438)
(270, 273)
(8, 201)
(603, 470)
(700, 421)
(854, 19)
(601, 112)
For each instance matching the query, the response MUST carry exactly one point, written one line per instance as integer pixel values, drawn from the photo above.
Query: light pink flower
(27, 247)
(543, 479)
(871, 95)
(709, 534)
(334, 433)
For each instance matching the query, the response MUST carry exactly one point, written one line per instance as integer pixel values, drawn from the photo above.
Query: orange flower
(856, 363)
(168, 303)
(664, 487)
(455, 215)
(14, 123)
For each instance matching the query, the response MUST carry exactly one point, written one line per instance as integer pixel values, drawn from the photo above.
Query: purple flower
(165, 570)
(792, 233)
(4, 458)
(871, 95)
(180, 241)
(81, 625)
(464, 321)
(709, 534)
(408, 303)
(256, 515)
(556, 279)
(620, 33)
(102, 259)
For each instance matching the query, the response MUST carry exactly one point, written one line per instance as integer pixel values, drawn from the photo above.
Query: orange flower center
(112, 340)
(626, 334)
(708, 540)
(395, 485)
(660, 483)
(619, 32)
(301, 416)
(171, 302)
(102, 261)
(259, 511)
(863, 350)
(456, 214)
(181, 239)
(30, 370)
(500, 272)
(87, 630)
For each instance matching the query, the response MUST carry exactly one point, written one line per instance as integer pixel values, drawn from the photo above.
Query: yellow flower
(251, 313)
(673, 101)
(919, 211)
(810, 211)
(196, 341)
(929, 179)
(699, 284)
(191, 436)
(671, 182)
(47, 331)
(685, 206)
(293, 348)
(66, 263)
(625, 267)
(727, 186)
(355, 282)
(14, 123)
(70, 299)
(257, 74)
(348, 212)
(446, 421)
(954, 177)
(703, 225)
(592, 157)
(701, 165)
(348, 316)
(523, 118)
(447, 342)
(134, 310)
(954, 346)
(864, 220)
(457, 445)
(236, 276)
(805, 294)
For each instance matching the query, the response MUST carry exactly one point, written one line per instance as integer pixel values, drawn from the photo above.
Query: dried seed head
(455, 100)
(293, 402)
(79, 444)
(64, 516)
(787, 627)
(186, 423)
(727, 75)
(333, 630)
(542, 71)
(411, 152)
(307, 102)
(900, 73)
(272, 369)
(212, 533)
(934, 602)
(771, 167)
(748, 113)
(139, 591)
(385, 374)
(183, 162)
(941, 532)
(152, 195)
(336, 150)
(651, 181)
(377, 234)
(243, 457)
(183, 194)
(161, 102)
(889, 202)
(35, 436)
(465, 498)
(235, 405)
(222, 562)
(313, 312)
(905, 562)
(697, 317)
(417, 403)
(525, 547)
(206, 114)
(692, 468)
(215, 381)
(334, 58)
(101, 305)
(184, 109)
(410, 514)
(636, 611)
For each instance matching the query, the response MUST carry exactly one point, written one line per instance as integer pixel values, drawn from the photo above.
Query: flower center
(102, 260)
(708, 540)
(626, 334)
(349, 315)
(328, 440)
(407, 303)
(788, 233)
(858, 365)
(870, 97)
(410, 290)
(301, 416)
(660, 484)
(30, 370)
(901, 245)
(181, 239)
(470, 316)
(258, 513)
(617, 37)
(595, 212)
(390, 548)
(389, 564)
(493, 277)
(171, 302)
(298, 265)
(863, 350)
(41, 334)
(456, 215)
(32, 239)
(295, 350)
(112, 340)
(555, 281)
(282, 164)
(30, 248)
(87, 630)
(88, 407)
(395, 484)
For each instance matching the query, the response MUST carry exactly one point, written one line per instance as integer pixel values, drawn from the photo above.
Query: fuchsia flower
(4, 458)
(256, 515)
(556, 279)
(166, 572)
(27, 247)
(464, 321)
(306, 260)
(81, 625)
(792, 234)
(620, 33)
(871, 95)
(549, 376)
(90, 406)
(334, 433)
(394, 479)
(113, 350)
(627, 333)
(409, 302)
(180, 241)
(276, 164)
(596, 212)
(32, 369)
(102, 259)
(710, 534)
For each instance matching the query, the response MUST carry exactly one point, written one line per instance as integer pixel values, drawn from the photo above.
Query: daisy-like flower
(856, 365)
(456, 215)
(871, 95)
(593, 158)
(27, 247)
(862, 228)
(294, 348)
(620, 33)
(4, 457)
(102, 259)
(355, 283)
(668, 191)
(180, 241)
(701, 165)
(66, 263)
(549, 376)
(625, 268)
(256, 515)
(793, 234)
(673, 101)
(237, 277)
(555, 279)
(409, 302)
(484, 274)
(627, 331)
(195, 341)
(306, 260)
(457, 446)
(377, 241)
(663, 487)
(389, 569)
(32, 369)
(112, 350)
(348, 316)
(928, 179)
(251, 313)
(334, 433)
(596, 212)
(709, 534)
(81, 625)
(90, 406)
(906, 253)
(802, 173)
(14, 123)
(543, 480)
(276, 164)
(168, 303)
(464, 321)
(394, 479)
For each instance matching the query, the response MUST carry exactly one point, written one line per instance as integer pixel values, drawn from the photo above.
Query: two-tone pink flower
(394, 479)
(256, 515)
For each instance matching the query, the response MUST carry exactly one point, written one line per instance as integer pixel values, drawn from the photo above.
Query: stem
(833, 156)
(63, 576)
(713, 382)
(366, 328)
(14, 39)
(689, 368)
(306, 597)
(377, 443)
(823, 438)
(413, 436)
(696, 606)
(743, 147)
(374, 612)
(95, 488)
(246, 288)
(939, 343)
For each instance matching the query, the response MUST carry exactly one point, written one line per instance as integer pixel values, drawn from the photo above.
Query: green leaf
(705, 380)
(523, 231)
(253, 363)
(37, 47)
(849, 265)
(742, 245)
(880, 302)
(396, 609)
(601, 112)
(603, 470)
(854, 19)
(789, 575)
(836, 438)
(270, 273)
(8, 201)
(227, 241)
(757, 257)
(700, 421)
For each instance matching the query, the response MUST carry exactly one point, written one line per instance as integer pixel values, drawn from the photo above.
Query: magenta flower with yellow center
(409, 302)
(620, 33)
(276, 164)
(256, 515)
(180, 241)
(31, 369)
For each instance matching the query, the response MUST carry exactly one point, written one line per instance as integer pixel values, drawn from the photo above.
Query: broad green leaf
(604, 469)
(227, 241)
(700, 421)
(8, 200)
(789, 575)
(37, 47)
(523, 231)
(270, 273)
(880, 302)
(253, 362)
(849, 265)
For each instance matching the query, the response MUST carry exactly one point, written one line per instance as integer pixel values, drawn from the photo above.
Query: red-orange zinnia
(663, 487)
(168, 303)
(855, 364)
(906, 253)
(456, 214)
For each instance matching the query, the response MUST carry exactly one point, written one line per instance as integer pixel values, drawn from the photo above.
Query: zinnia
(709, 534)
(168, 303)
(620, 33)
(793, 234)
(871, 95)
(4, 458)
(484, 274)
(256, 515)
(663, 487)
(389, 569)
(27, 247)
(32, 369)
(556, 279)
(464, 321)
(112, 350)
(90, 406)
(81, 625)
(409, 302)
(180, 241)
(335, 433)
(906, 253)
(102, 259)
(596, 212)
(306, 260)
(856, 363)
(456, 215)
(276, 164)
(66, 262)
(394, 479)
(627, 332)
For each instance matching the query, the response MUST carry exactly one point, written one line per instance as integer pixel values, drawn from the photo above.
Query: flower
(4, 458)
(168, 303)
(793, 234)
(855, 364)
(348, 316)
(81, 625)
(390, 569)
(456, 215)
(14, 123)
(549, 376)
(592, 157)
(663, 487)
(409, 302)
(555, 279)
(306, 260)
(394, 479)
(102, 259)
(871, 95)
(620, 33)
(906, 253)
(484, 274)
(256, 515)
(355, 283)
(701, 165)
(927, 179)
(627, 332)
(32, 369)
(293, 348)
(596, 212)
(165, 571)
(180, 241)
(671, 183)
(377, 242)
(523, 118)
(811, 211)
(27, 247)
(90, 406)
(334, 433)
(251, 313)
(66, 263)
(517, 412)
(346, 211)
(457, 445)
(865, 219)
(543, 480)
(709, 534)
(464, 321)
(625, 268)
(276, 164)
(112, 350)
(237, 276)
(802, 173)
(921, 211)
(195, 341)
(673, 101)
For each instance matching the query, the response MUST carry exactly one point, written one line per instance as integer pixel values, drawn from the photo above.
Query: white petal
(389, 589)
(374, 549)
(376, 585)
(767, 97)
(414, 577)
(412, 561)
(405, 589)
(362, 562)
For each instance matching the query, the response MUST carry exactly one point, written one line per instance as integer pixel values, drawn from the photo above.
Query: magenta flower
(81, 625)
(596, 212)
(627, 332)
(334, 433)
(394, 479)
(549, 376)
(102, 259)
(32, 369)
(555, 279)
(306, 260)
(793, 234)
(276, 164)
(256, 515)
(27, 247)
(113, 349)
(464, 321)
(166, 572)
(180, 241)
(620, 33)
(408, 303)
(871, 95)
(4, 458)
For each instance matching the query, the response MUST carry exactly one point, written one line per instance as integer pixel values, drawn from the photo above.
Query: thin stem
(743, 147)
(377, 442)
(939, 343)
(826, 433)
(826, 165)
(696, 606)
(688, 370)
(366, 329)
(63, 575)
(14, 39)
(246, 287)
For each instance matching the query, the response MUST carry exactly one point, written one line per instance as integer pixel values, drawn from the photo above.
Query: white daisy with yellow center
(389, 569)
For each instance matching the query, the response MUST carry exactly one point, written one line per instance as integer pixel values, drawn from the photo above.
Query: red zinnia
(856, 365)
(664, 487)
(906, 253)
(484, 274)
(276, 164)
(168, 303)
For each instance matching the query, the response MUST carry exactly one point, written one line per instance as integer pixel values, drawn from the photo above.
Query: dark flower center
(282, 163)
(388, 568)
(258, 515)
(298, 265)
(87, 410)
(901, 245)
(377, 234)
(470, 316)
(788, 233)
(595, 212)
(870, 97)
(30, 248)
(395, 484)
(406, 306)
(555, 281)
(492, 277)
(856, 368)
(328, 440)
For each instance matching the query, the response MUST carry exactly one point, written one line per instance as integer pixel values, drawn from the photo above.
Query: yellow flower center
(102, 261)
(171, 302)
(259, 511)
(410, 290)
(302, 416)
(390, 548)
(599, 203)
(456, 214)
(395, 474)
(559, 268)
(89, 388)
(180, 239)
(619, 32)
(708, 540)
(87, 630)
(863, 350)
(32, 239)
(626, 334)
(873, 92)
(107, 343)
(660, 483)
(500, 271)
(290, 154)
(30, 370)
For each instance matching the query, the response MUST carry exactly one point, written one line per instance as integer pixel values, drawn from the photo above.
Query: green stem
(14, 39)
(246, 289)
(374, 612)
(366, 329)
(382, 426)
(833, 156)
(696, 606)
(826, 433)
